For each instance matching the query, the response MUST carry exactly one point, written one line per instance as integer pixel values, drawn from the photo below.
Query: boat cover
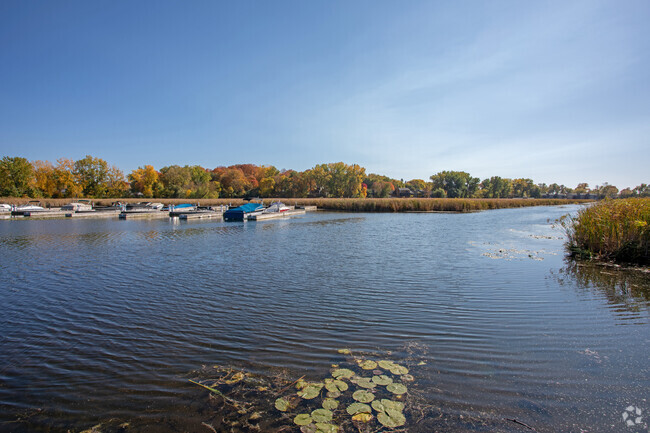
(247, 208)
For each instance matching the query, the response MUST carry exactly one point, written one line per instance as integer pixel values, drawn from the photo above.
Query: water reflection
(626, 290)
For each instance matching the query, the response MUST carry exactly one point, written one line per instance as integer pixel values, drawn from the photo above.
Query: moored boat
(143, 207)
(79, 206)
(5, 207)
(240, 213)
(32, 206)
(179, 209)
(277, 206)
(115, 206)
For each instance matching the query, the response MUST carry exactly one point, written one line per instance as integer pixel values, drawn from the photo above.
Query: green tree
(455, 183)
(92, 176)
(16, 177)
(496, 187)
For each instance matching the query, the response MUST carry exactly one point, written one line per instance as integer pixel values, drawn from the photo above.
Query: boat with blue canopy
(242, 212)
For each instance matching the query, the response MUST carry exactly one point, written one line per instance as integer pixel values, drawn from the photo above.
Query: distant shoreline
(424, 205)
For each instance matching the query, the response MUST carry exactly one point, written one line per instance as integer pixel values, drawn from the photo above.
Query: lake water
(103, 321)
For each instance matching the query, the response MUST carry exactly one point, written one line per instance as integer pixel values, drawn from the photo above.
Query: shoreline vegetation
(94, 178)
(611, 231)
(348, 204)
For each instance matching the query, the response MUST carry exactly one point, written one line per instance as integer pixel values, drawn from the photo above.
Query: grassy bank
(612, 230)
(349, 204)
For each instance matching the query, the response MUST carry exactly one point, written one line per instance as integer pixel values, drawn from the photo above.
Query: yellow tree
(65, 180)
(144, 180)
(45, 181)
(266, 186)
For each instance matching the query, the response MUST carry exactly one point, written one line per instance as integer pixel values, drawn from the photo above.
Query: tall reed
(613, 230)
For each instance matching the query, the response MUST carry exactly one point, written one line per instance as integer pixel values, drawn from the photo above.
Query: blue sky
(556, 91)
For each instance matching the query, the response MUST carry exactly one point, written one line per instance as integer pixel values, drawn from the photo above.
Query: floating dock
(145, 214)
(198, 215)
(44, 214)
(307, 208)
(272, 215)
(95, 214)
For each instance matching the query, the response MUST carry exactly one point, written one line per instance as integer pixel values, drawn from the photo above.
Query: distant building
(403, 192)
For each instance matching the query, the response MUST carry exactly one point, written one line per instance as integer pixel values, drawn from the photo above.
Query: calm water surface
(106, 319)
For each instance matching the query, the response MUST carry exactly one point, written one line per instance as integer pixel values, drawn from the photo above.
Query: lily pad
(330, 404)
(407, 378)
(386, 365)
(336, 385)
(356, 408)
(321, 415)
(363, 396)
(333, 394)
(398, 370)
(344, 351)
(396, 388)
(322, 427)
(391, 419)
(362, 417)
(301, 383)
(282, 404)
(310, 391)
(384, 405)
(302, 419)
(368, 365)
(382, 380)
(363, 382)
(309, 428)
(342, 373)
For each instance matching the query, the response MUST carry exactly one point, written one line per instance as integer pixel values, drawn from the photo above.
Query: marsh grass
(611, 230)
(343, 204)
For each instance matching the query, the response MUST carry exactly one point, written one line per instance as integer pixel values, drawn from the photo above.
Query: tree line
(93, 177)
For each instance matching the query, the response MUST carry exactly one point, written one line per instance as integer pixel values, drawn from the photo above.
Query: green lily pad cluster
(389, 413)
(361, 391)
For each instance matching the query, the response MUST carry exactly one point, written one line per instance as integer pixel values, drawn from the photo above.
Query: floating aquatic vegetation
(384, 404)
(362, 417)
(302, 419)
(335, 385)
(363, 396)
(343, 373)
(344, 351)
(367, 364)
(330, 404)
(398, 370)
(391, 418)
(310, 391)
(350, 399)
(363, 382)
(322, 427)
(356, 408)
(382, 380)
(386, 365)
(282, 405)
(321, 415)
(396, 388)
